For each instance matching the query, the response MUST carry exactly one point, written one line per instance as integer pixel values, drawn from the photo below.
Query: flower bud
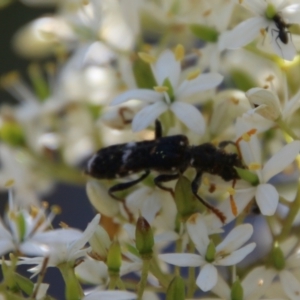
(210, 252)
(205, 33)
(184, 198)
(144, 238)
(277, 257)
(114, 258)
(12, 134)
(248, 176)
(237, 291)
(176, 289)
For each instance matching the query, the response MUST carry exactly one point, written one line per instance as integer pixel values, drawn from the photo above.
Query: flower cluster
(188, 100)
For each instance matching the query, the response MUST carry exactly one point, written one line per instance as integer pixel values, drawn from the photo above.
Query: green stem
(59, 171)
(144, 276)
(284, 127)
(156, 271)
(113, 281)
(73, 290)
(191, 286)
(289, 220)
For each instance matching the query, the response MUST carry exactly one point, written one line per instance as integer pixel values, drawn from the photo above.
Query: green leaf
(25, 284)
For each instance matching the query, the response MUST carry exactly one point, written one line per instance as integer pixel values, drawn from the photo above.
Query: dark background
(76, 210)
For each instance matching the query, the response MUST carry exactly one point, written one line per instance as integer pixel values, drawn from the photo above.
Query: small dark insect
(170, 156)
(282, 29)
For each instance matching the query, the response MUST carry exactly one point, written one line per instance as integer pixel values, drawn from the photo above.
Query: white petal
(190, 116)
(257, 281)
(236, 238)
(280, 160)
(221, 288)
(207, 277)
(111, 295)
(292, 13)
(201, 83)
(151, 206)
(87, 234)
(182, 259)
(257, 6)
(197, 231)
(6, 246)
(291, 106)
(167, 67)
(139, 94)
(236, 256)
(267, 199)
(290, 284)
(245, 32)
(147, 115)
(61, 235)
(166, 237)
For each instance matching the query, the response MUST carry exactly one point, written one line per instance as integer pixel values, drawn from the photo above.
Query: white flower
(229, 252)
(266, 195)
(61, 249)
(254, 285)
(266, 12)
(24, 229)
(267, 104)
(171, 94)
(286, 274)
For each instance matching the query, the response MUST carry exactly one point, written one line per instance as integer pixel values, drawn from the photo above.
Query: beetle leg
(158, 129)
(165, 178)
(126, 185)
(195, 186)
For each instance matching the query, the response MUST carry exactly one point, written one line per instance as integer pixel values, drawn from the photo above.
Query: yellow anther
(231, 191)
(206, 181)
(147, 47)
(270, 78)
(207, 13)
(56, 209)
(179, 52)
(63, 225)
(298, 161)
(9, 79)
(45, 204)
(246, 137)
(33, 211)
(50, 68)
(85, 2)
(161, 89)
(147, 57)
(194, 74)
(9, 183)
(254, 166)
(263, 32)
(241, 1)
(234, 100)
(192, 219)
